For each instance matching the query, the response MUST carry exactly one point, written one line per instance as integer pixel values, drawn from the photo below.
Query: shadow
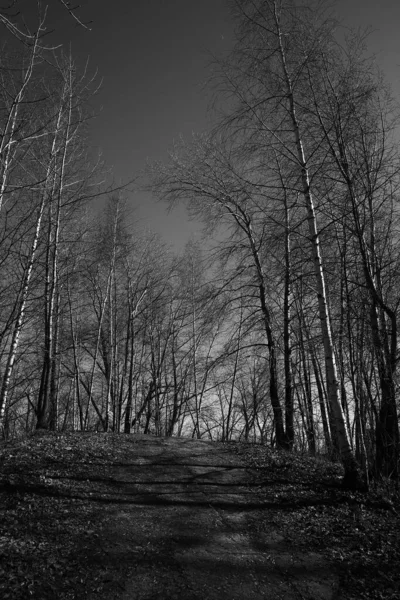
(233, 572)
(237, 504)
(167, 462)
(144, 499)
(194, 480)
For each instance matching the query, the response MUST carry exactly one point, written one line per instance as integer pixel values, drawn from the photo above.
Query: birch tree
(275, 44)
(357, 125)
(220, 190)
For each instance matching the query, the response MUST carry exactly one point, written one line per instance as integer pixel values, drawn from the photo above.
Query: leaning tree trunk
(352, 471)
(20, 315)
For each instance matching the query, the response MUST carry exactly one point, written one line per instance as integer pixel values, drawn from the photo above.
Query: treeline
(302, 174)
(46, 182)
(282, 330)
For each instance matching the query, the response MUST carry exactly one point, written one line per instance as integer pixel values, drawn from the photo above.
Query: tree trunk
(352, 471)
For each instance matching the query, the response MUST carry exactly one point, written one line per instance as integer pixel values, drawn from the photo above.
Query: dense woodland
(281, 327)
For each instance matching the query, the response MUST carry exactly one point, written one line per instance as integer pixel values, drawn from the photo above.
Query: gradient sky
(152, 56)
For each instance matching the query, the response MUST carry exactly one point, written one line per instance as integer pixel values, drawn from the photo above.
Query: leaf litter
(50, 527)
(358, 532)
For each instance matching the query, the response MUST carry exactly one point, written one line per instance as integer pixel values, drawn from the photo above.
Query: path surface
(181, 523)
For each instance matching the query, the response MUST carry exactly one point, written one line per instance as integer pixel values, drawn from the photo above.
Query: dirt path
(181, 523)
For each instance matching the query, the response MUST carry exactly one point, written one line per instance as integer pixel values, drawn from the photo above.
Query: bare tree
(219, 189)
(357, 125)
(276, 42)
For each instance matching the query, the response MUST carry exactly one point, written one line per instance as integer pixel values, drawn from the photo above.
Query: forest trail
(181, 523)
(105, 516)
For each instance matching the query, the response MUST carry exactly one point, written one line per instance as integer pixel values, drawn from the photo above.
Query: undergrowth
(49, 527)
(358, 532)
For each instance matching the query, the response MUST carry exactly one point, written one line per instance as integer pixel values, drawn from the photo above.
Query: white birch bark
(12, 353)
(25, 287)
(341, 432)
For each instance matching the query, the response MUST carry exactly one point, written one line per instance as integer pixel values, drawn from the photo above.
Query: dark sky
(152, 56)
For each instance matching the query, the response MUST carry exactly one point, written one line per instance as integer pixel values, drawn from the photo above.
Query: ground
(135, 517)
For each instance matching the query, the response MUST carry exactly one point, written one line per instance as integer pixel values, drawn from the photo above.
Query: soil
(183, 527)
(144, 518)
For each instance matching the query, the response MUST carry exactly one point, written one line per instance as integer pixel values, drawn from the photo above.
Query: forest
(280, 326)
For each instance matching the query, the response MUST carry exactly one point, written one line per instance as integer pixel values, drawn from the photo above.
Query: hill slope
(139, 517)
